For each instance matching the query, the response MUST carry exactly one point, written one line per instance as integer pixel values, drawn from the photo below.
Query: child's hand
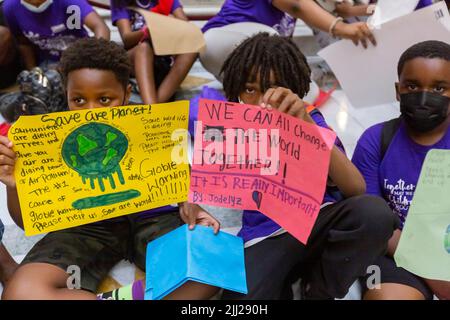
(284, 100)
(193, 214)
(357, 32)
(7, 162)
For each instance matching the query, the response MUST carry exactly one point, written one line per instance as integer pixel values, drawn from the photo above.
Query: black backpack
(387, 134)
(39, 92)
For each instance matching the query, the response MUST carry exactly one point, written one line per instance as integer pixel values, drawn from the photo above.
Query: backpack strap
(387, 134)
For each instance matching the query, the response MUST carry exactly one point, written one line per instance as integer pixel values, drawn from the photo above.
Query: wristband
(333, 25)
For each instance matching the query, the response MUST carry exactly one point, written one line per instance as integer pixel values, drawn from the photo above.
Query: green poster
(424, 247)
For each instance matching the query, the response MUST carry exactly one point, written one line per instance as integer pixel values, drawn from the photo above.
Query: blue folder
(198, 255)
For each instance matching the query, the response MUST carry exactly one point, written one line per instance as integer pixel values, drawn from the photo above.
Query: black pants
(347, 237)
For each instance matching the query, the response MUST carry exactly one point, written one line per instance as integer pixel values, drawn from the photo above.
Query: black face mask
(424, 111)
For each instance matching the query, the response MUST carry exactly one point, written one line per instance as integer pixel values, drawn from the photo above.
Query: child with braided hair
(271, 72)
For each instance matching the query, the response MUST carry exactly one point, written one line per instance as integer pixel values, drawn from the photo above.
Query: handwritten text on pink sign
(249, 158)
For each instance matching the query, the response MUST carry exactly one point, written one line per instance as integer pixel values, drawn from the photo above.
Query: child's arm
(314, 15)
(7, 162)
(346, 10)
(96, 24)
(14, 205)
(345, 175)
(130, 38)
(393, 242)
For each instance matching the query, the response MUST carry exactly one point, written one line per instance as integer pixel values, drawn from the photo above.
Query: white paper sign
(367, 76)
(387, 10)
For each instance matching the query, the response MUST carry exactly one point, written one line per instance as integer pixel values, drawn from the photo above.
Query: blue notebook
(197, 255)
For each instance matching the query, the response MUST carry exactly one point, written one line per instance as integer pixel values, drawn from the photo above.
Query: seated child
(96, 74)
(45, 28)
(9, 59)
(7, 263)
(158, 77)
(391, 170)
(270, 71)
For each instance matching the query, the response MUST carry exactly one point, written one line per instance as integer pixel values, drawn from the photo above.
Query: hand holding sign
(247, 157)
(7, 162)
(285, 101)
(193, 214)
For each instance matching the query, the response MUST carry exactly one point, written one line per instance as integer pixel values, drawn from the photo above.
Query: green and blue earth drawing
(94, 151)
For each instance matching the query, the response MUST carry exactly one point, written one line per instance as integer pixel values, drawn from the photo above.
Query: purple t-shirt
(424, 3)
(395, 177)
(260, 11)
(257, 225)
(119, 11)
(50, 30)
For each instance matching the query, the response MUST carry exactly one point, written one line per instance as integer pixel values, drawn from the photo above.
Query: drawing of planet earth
(95, 150)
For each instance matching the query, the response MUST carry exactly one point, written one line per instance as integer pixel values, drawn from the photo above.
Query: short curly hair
(430, 49)
(100, 54)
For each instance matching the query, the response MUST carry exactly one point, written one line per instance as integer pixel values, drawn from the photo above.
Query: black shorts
(95, 248)
(390, 273)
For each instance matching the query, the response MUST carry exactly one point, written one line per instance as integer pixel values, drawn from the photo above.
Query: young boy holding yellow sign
(96, 74)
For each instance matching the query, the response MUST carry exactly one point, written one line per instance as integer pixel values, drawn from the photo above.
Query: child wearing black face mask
(424, 94)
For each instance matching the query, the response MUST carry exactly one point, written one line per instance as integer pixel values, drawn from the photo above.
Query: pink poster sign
(249, 158)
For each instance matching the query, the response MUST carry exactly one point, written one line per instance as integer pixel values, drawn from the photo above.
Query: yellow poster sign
(79, 167)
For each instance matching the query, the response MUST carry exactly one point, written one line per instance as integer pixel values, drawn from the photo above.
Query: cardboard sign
(171, 36)
(78, 167)
(246, 157)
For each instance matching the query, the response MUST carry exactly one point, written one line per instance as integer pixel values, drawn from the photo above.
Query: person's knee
(394, 291)
(375, 217)
(144, 48)
(28, 283)
(20, 286)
